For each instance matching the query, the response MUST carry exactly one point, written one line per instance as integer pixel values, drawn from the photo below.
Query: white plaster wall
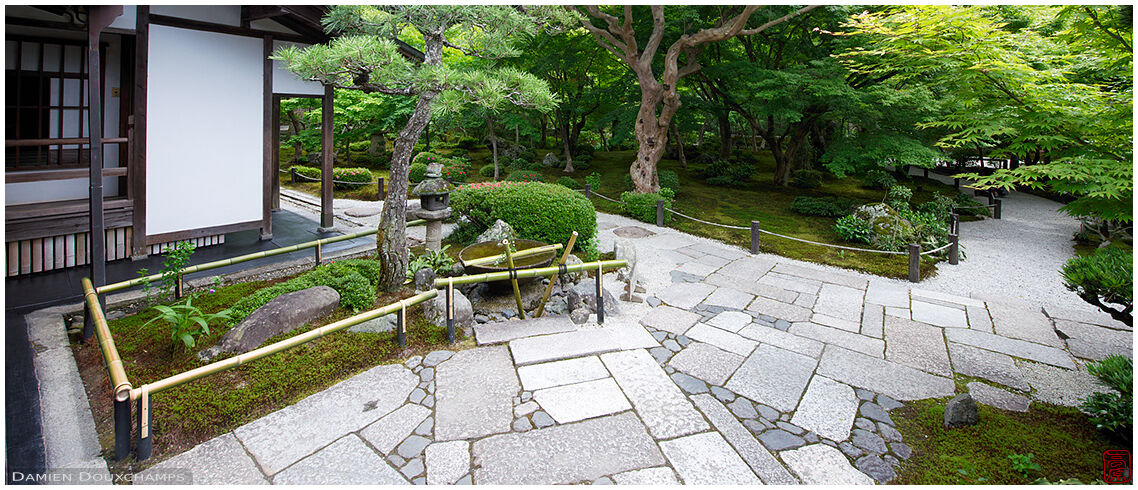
(204, 130)
(286, 82)
(229, 15)
(127, 19)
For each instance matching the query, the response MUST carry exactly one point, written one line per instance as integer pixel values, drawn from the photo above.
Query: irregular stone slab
(685, 295)
(778, 440)
(363, 211)
(627, 334)
(839, 323)
(887, 294)
(1023, 323)
(828, 408)
(916, 344)
(581, 401)
(284, 437)
(1094, 342)
(387, 432)
(282, 314)
(347, 461)
(778, 309)
(689, 384)
(876, 468)
(819, 464)
(670, 319)
(761, 461)
(707, 459)
(941, 316)
(895, 380)
(696, 269)
(571, 453)
(839, 301)
(998, 398)
(218, 461)
(545, 348)
(873, 411)
(804, 300)
(962, 301)
(791, 283)
(706, 362)
(773, 376)
(978, 319)
(750, 267)
(729, 298)
(840, 338)
(726, 277)
(473, 393)
(660, 404)
(873, 320)
(1075, 315)
(719, 250)
(992, 366)
(499, 332)
(647, 476)
(1011, 347)
(778, 338)
(447, 462)
(1060, 386)
(632, 232)
(723, 339)
(713, 260)
(569, 371)
(732, 321)
(818, 275)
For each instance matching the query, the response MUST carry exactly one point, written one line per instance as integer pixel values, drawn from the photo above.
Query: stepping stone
(685, 295)
(729, 277)
(873, 411)
(284, 437)
(875, 467)
(1060, 386)
(1075, 315)
(839, 302)
(647, 476)
(1093, 342)
(632, 232)
(722, 339)
(545, 348)
(998, 398)
(778, 309)
(729, 298)
(500, 332)
(557, 373)
(571, 453)
(840, 338)
(839, 323)
(696, 269)
(713, 261)
(761, 461)
(778, 338)
(732, 321)
(887, 294)
(474, 392)
(819, 464)
(1012, 347)
(773, 376)
(962, 301)
(627, 334)
(895, 380)
(669, 319)
(1024, 324)
(868, 441)
(706, 362)
(707, 459)
(581, 401)
(824, 276)
(660, 404)
(720, 250)
(362, 212)
(778, 439)
(791, 283)
(992, 366)
(873, 321)
(347, 461)
(898, 312)
(828, 408)
(689, 384)
(387, 432)
(218, 461)
(941, 316)
(447, 462)
(978, 319)
(917, 345)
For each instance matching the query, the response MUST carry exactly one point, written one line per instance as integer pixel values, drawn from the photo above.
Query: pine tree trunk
(565, 147)
(544, 129)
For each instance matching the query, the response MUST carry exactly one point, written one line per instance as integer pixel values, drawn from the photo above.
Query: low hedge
(536, 210)
(643, 206)
(357, 175)
(524, 176)
(355, 280)
(569, 182)
(832, 207)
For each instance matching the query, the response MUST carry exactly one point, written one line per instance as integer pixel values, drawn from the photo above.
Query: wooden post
(514, 278)
(754, 237)
(401, 325)
(450, 312)
(379, 189)
(267, 139)
(991, 197)
(954, 248)
(600, 296)
(327, 152)
(588, 191)
(914, 262)
(122, 429)
(318, 254)
(178, 291)
(999, 210)
(145, 427)
(954, 223)
(659, 212)
(98, 18)
(291, 175)
(956, 183)
(138, 138)
(926, 172)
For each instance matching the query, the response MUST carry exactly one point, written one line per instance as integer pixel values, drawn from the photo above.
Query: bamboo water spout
(517, 255)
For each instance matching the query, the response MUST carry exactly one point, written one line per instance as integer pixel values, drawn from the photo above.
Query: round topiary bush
(569, 182)
(536, 210)
(417, 172)
(487, 171)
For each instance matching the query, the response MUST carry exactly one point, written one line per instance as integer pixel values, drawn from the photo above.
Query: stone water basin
(494, 248)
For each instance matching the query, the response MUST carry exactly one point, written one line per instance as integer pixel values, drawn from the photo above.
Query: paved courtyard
(736, 369)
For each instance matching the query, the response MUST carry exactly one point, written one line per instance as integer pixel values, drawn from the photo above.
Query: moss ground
(1062, 441)
(197, 411)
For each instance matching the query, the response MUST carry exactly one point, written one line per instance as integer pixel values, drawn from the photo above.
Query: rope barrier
(935, 250)
(334, 181)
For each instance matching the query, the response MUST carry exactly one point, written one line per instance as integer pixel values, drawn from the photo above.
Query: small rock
(864, 395)
(888, 433)
(791, 428)
(480, 318)
(422, 480)
(756, 427)
(782, 325)
(653, 301)
(425, 428)
(542, 419)
(876, 468)
(660, 354)
(526, 396)
(431, 387)
(659, 336)
(811, 437)
(436, 357)
(891, 461)
(417, 395)
(115, 315)
(785, 417)
(412, 468)
(497, 232)
(778, 440)
(508, 314)
(683, 340)
(768, 318)
(604, 480)
(429, 401)
(669, 369)
(767, 412)
(580, 315)
(672, 345)
(829, 443)
(424, 279)
(427, 374)
(417, 369)
(412, 447)
(525, 409)
(888, 404)
(689, 384)
(396, 460)
(864, 424)
(522, 425)
(874, 411)
(868, 441)
(722, 394)
(375, 325)
(850, 450)
(901, 449)
(743, 408)
(961, 411)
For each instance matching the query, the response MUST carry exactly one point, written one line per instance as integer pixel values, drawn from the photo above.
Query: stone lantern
(434, 198)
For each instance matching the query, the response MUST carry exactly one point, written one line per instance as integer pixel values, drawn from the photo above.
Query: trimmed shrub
(487, 171)
(594, 181)
(878, 179)
(853, 229)
(729, 174)
(523, 164)
(456, 173)
(582, 162)
(964, 205)
(467, 143)
(569, 182)
(417, 172)
(426, 157)
(806, 179)
(536, 210)
(643, 206)
(1112, 411)
(355, 280)
(1104, 276)
(524, 176)
(359, 145)
(822, 206)
(666, 178)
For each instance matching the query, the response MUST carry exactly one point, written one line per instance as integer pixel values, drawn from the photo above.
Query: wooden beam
(45, 175)
(250, 13)
(267, 141)
(174, 236)
(138, 146)
(327, 151)
(276, 156)
(198, 25)
(98, 18)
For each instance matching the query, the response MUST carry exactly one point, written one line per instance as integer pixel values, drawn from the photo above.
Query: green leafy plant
(1104, 276)
(524, 176)
(187, 322)
(806, 179)
(853, 229)
(1023, 463)
(177, 257)
(438, 261)
(417, 172)
(486, 171)
(1112, 412)
(569, 182)
(643, 206)
(878, 179)
(147, 287)
(822, 206)
(594, 181)
(729, 173)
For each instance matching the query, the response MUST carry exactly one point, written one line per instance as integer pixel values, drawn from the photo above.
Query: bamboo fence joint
(553, 278)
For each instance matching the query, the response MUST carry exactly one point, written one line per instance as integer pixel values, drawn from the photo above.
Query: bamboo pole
(242, 258)
(514, 278)
(119, 381)
(232, 362)
(517, 255)
(524, 273)
(553, 278)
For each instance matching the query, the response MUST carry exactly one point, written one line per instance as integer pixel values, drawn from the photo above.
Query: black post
(914, 262)
(588, 191)
(318, 257)
(122, 429)
(991, 197)
(450, 312)
(400, 327)
(379, 189)
(88, 322)
(926, 173)
(954, 249)
(292, 175)
(956, 183)
(999, 210)
(600, 297)
(754, 237)
(659, 212)
(954, 223)
(178, 292)
(145, 430)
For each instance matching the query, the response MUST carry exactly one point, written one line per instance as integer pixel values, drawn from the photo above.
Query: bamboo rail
(524, 273)
(517, 255)
(514, 278)
(121, 385)
(109, 288)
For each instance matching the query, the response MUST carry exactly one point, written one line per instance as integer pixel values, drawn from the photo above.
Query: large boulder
(550, 160)
(961, 411)
(886, 223)
(283, 314)
(587, 292)
(497, 232)
(435, 311)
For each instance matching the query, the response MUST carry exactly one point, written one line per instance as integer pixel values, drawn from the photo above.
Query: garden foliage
(894, 224)
(1113, 411)
(643, 206)
(537, 211)
(823, 206)
(524, 176)
(729, 173)
(1104, 276)
(355, 280)
(357, 175)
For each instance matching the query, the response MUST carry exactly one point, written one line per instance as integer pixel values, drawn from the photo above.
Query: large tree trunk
(724, 119)
(493, 143)
(564, 123)
(651, 133)
(699, 137)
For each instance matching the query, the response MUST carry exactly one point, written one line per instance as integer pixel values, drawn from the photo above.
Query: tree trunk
(680, 148)
(699, 137)
(724, 135)
(348, 150)
(544, 129)
(565, 145)
(427, 146)
(651, 133)
(517, 136)
(754, 140)
(493, 143)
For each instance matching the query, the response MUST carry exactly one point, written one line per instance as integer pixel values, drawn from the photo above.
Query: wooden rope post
(88, 321)
(956, 183)
(318, 253)
(991, 197)
(659, 212)
(292, 175)
(450, 311)
(999, 209)
(145, 421)
(954, 248)
(600, 295)
(401, 325)
(754, 237)
(588, 191)
(379, 189)
(123, 426)
(914, 262)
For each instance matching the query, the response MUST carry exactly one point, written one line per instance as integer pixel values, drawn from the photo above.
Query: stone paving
(735, 369)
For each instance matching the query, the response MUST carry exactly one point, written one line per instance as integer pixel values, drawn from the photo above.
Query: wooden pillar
(99, 18)
(267, 177)
(276, 185)
(137, 168)
(754, 237)
(914, 262)
(327, 151)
